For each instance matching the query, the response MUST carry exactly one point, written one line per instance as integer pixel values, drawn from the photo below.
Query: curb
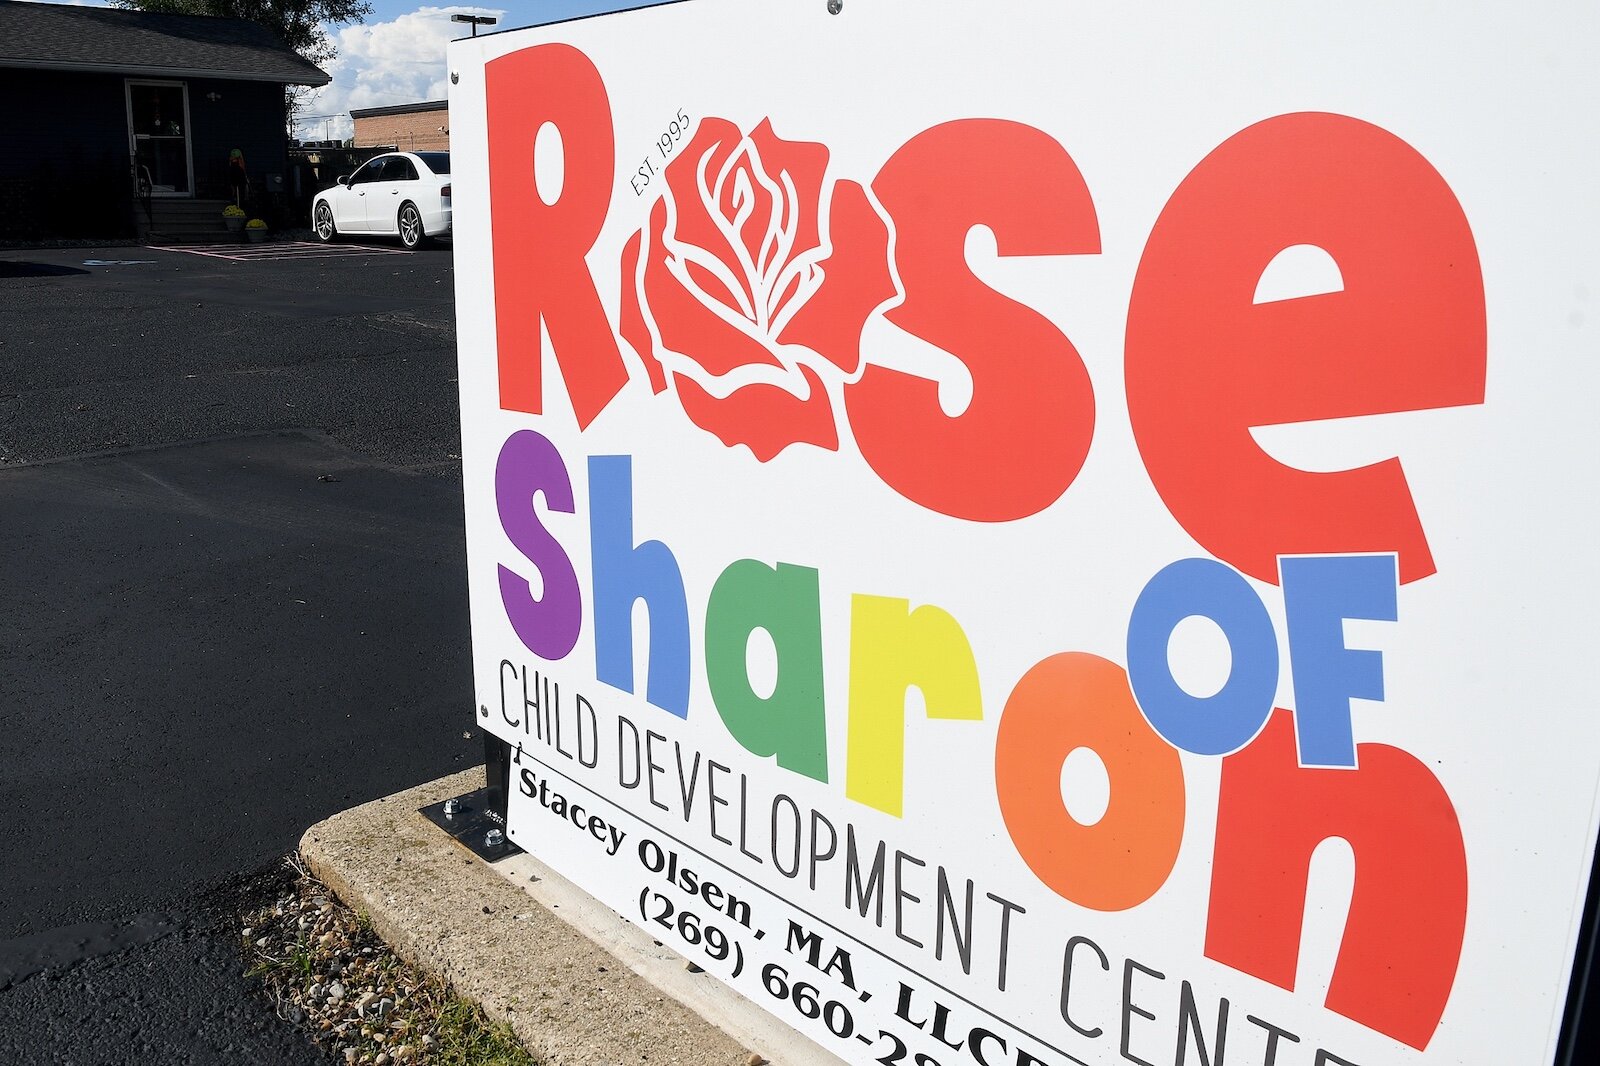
(602, 992)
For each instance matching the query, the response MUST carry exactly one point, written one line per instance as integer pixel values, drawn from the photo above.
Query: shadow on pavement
(13, 269)
(212, 647)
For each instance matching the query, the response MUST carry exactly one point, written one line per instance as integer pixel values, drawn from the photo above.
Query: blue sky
(518, 14)
(397, 54)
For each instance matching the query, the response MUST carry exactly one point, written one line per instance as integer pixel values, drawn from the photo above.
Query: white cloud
(384, 63)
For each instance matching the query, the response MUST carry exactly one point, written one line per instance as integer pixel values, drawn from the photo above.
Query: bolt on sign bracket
(470, 823)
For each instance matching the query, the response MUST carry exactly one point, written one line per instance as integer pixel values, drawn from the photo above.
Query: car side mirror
(343, 179)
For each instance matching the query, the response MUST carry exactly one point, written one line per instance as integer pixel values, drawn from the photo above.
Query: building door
(158, 135)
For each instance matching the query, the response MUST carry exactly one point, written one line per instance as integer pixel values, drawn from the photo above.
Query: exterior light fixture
(475, 21)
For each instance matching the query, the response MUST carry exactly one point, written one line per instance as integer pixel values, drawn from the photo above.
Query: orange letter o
(1075, 700)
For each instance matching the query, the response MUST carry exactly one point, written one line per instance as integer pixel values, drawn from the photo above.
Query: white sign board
(1050, 533)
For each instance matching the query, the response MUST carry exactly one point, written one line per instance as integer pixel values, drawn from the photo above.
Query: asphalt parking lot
(112, 348)
(233, 603)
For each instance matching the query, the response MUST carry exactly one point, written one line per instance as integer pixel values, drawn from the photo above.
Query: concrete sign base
(577, 983)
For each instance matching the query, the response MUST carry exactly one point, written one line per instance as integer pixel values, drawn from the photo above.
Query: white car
(401, 193)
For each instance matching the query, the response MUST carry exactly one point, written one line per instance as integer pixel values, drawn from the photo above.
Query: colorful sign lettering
(1028, 534)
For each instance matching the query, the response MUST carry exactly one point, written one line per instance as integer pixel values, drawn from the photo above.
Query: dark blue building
(120, 122)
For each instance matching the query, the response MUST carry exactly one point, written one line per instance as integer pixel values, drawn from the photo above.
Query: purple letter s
(529, 465)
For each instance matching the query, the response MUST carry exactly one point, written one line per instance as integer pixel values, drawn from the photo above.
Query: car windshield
(438, 162)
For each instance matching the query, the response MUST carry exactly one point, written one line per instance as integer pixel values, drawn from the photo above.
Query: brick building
(405, 127)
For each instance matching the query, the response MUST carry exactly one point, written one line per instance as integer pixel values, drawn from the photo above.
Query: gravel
(326, 970)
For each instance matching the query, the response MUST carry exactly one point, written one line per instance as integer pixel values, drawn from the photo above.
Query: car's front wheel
(412, 235)
(323, 223)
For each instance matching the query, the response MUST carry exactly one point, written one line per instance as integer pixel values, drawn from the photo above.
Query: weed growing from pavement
(325, 969)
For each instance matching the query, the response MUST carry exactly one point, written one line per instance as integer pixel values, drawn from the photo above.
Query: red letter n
(1408, 909)
(539, 268)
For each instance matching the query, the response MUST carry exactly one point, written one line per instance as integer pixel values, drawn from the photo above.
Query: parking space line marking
(289, 250)
(307, 255)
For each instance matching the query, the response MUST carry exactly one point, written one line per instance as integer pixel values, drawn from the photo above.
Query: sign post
(1038, 533)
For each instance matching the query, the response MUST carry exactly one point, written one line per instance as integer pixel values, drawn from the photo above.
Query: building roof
(114, 41)
(401, 109)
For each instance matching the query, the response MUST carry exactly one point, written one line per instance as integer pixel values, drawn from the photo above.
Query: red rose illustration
(751, 284)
